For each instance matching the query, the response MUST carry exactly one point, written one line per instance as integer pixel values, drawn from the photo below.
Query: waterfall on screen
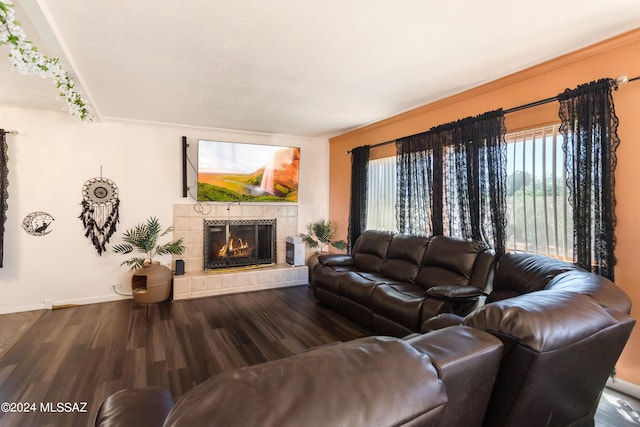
(268, 176)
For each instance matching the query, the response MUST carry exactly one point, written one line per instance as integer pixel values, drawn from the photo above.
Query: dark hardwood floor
(82, 354)
(85, 353)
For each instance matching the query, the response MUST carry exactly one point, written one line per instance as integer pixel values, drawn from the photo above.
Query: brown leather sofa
(442, 378)
(392, 283)
(563, 330)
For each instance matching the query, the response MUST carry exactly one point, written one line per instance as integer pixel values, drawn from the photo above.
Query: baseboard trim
(65, 303)
(625, 387)
(90, 300)
(9, 310)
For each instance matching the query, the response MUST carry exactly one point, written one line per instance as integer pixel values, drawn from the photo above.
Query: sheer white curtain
(381, 198)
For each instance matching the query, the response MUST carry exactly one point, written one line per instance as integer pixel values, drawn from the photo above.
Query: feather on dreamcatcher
(100, 211)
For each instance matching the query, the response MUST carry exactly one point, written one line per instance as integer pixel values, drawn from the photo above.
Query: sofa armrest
(334, 260)
(454, 293)
(468, 360)
(148, 406)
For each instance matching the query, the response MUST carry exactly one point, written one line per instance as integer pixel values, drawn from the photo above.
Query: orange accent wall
(611, 58)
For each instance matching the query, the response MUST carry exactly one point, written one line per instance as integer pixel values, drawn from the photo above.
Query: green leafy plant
(144, 238)
(320, 234)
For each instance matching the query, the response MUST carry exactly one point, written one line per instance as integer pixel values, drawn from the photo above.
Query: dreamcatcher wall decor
(100, 212)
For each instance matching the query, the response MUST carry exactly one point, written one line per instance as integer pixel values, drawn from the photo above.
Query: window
(539, 216)
(538, 210)
(381, 194)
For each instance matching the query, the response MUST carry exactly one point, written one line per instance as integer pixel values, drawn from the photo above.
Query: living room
(52, 156)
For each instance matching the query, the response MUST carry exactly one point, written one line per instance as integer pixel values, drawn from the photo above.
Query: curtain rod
(12, 132)
(618, 81)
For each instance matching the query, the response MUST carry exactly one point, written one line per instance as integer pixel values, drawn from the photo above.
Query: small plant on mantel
(144, 237)
(320, 235)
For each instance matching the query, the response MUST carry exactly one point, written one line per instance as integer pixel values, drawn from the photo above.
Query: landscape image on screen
(235, 172)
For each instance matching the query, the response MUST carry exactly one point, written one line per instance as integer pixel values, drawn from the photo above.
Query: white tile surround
(188, 223)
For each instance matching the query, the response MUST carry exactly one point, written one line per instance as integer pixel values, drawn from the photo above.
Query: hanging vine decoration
(26, 59)
(100, 211)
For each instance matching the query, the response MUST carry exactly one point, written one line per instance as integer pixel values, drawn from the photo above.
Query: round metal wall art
(37, 223)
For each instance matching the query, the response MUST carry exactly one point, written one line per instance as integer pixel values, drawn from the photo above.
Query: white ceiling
(305, 67)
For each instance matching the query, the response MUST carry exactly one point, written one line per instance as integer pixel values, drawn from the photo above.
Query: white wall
(53, 157)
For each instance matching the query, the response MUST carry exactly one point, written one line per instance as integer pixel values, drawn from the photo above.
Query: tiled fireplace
(190, 221)
(239, 242)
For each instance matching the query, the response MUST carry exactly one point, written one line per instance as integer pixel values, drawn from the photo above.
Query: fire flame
(234, 249)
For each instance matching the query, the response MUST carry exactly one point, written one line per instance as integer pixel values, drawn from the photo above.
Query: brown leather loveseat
(442, 378)
(392, 283)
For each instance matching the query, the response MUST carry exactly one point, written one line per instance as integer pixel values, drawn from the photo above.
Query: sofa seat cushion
(401, 303)
(326, 278)
(356, 287)
(441, 321)
(373, 381)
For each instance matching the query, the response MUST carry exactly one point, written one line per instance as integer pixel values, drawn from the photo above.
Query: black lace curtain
(589, 128)
(358, 204)
(451, 180)
(4, 182)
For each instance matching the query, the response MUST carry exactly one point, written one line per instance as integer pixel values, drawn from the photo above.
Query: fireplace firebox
(234, 243)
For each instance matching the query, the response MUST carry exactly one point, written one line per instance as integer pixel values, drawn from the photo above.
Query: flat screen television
(238, 172)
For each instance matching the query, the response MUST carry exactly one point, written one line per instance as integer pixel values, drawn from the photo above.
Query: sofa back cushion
(602, 290)
(521, 273)
(449, 261)
(329, 386)
(370, 250)
(404, 256)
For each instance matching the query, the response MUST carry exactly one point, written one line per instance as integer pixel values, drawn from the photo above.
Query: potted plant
(320, 234)
(150, 281)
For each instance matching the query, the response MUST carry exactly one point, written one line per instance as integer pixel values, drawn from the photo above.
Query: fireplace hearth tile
(228, 280)
(279, 276)
(214, 282)
(198, 284)
(266, 278)
(254, 279)
(260, 278)
(200, 294)
(181, 287)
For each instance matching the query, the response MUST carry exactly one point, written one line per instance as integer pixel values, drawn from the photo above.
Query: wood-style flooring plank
(85, 353)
